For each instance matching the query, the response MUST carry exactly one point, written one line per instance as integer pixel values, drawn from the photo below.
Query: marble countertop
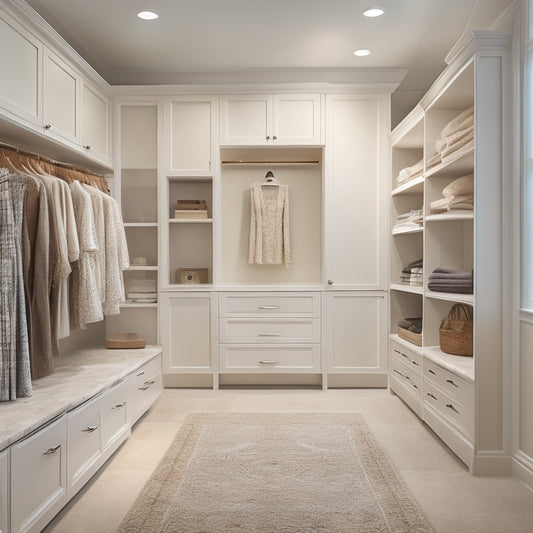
(459, 365)
(78, 376)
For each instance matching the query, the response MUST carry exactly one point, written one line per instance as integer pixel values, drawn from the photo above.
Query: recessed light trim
(372, 12)
(361, 52)
(147, 15)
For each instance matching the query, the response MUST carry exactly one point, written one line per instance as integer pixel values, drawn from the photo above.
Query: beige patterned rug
(270, 472)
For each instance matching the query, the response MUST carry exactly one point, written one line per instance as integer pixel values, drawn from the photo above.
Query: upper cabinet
(21, 68)
(189, 138)
(95, 123)
(268, 120)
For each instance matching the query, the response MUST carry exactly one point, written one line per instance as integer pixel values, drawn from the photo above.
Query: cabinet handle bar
(52, 450)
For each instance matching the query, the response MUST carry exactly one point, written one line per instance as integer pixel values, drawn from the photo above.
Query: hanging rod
(264, 162)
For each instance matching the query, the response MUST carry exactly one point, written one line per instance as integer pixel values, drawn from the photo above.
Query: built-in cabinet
(4, 491)
(463, 399)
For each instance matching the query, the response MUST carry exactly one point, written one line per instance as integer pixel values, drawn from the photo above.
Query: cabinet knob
(47, 126)
(330, 282)
(268, 137)
(87, 146)
(275, 137)
(119, 405)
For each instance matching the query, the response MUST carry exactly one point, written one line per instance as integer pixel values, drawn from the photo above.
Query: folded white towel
(460, 122)
(463, 185)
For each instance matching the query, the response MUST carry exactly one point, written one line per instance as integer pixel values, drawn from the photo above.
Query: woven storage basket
(415, 338)
(456, 332)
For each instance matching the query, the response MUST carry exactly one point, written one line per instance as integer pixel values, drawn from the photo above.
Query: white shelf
(138, 305)
(407, 231)
(414, 186)
(414, 289)
(460, 365)
(455, 215)
(190, 220)
(134, 268)
(187, 177)
(458, 166)
(451, 297)
(140, 224)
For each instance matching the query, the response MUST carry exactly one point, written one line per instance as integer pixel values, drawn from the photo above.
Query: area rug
(271, 472)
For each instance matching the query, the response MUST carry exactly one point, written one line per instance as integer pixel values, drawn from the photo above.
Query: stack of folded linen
(450, 280)
(143, 291)
(410, 173)
(411, 324)
(408, 221)
(457, 136)
(412, 273)
(459, 194)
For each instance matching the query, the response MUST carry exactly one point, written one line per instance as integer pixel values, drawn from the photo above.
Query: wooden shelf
(190, 220)
(408, 231)
(138, 305)
(414, 186)
(451, 297)
(413, 289)
(466, 215)
(456, 167)
(140, 224)
(137, 268)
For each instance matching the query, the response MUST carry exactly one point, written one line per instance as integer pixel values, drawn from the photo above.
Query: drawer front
(84, 443)
(448, 382)
(270, 359)
(145, 387)
(114, 414)
(38, 477)
(456, 413)
(405, 356)
(4, 491)
(270, 330)
(408, 376)
(277, 304)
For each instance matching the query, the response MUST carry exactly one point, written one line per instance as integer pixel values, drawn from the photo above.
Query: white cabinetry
(189, 340)
(21, 67)
(4, 491)
(61, 98)
(95, 122)
(145, 387)
(38, 477)
(266, 119)
(114, 409)
(355, 335)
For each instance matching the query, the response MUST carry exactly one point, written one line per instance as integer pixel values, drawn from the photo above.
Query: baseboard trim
(523, 473)
(491, 465)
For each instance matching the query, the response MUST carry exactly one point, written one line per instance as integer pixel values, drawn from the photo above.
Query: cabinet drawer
(448, 382)
(270, 359)
(455, 412)
(408, 376)
(279, 304)
(4, 491)
(38, 477)
(269, 330)
(405, 356)
(145, 387)
(114, 416)
(84, 444)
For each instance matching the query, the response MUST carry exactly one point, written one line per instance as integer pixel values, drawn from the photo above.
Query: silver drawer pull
(140, 374)
(396, 351)
(403, 355)
(431, 372)
(151, 382)
(398, 373)
(90, 429)
(415, 363)
(431, 396)
(53, 450)
(452, 382)
(144, 388)
(415, 386)
(269, 307)
(119, 405)
(268, 362)
(269, 334)
(450, 406)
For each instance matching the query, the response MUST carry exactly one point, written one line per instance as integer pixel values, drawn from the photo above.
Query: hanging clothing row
(62, 253)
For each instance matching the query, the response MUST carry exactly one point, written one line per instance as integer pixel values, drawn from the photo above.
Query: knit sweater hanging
(269, 225)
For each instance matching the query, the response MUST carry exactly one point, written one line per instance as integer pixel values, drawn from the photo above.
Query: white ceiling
(214, 40)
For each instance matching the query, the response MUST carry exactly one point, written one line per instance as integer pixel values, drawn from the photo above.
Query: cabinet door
(356, 200)
(246, 119)
(4, 491)
(84, 444)
(115, 421)
(38, 477)
(186, 323)
(356, 333)
(95, 124)
(296, 119)
(190, 134)
(60, 98)
(145, 387)
(20, 65)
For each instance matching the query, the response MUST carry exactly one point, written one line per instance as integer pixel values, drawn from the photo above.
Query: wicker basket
(456, 332)
(409, 336)
(127, 341)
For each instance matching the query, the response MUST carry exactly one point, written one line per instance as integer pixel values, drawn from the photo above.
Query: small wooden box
(124, 341)
(192, 275)
(191, 205)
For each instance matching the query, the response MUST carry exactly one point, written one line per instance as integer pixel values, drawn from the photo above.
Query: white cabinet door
(95, 123)
(296, 119)
(4, 491)
(187, 333)
(38, 477)
(145, 387)
(246, 119)
(356, 200)
(189, 132)
(356, 336)
(61, 87)
(114, 416)
(84, 444)
(20, 68)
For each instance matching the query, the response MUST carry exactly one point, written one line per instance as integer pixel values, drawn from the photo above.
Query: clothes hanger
(270, 179)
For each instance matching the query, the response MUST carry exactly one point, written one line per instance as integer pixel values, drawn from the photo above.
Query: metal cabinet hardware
(90, 429)
(52, 450)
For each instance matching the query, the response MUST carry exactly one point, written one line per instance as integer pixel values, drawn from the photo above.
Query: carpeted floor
(273, 472)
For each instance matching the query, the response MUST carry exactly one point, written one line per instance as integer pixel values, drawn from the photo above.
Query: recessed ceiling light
(373, 12)
(362, 52)
(147, 15)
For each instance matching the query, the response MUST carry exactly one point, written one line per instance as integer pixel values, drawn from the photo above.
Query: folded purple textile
(452, 273)
(448, 281)
(463, 289)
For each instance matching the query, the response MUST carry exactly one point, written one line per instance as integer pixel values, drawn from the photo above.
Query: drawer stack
(269, 333)
(406, 375)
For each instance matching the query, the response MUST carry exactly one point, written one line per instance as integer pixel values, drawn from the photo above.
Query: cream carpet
(269, 472)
